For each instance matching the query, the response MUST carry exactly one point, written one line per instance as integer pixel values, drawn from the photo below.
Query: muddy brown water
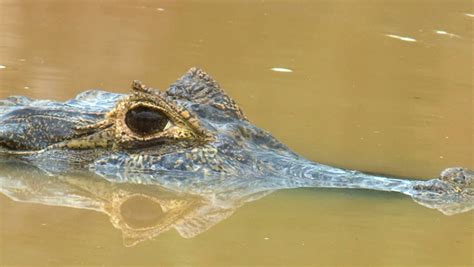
(378, 86)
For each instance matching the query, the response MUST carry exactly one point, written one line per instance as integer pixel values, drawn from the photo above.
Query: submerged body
(192, 138)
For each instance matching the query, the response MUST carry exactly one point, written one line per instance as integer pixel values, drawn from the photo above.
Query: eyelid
(175, 117)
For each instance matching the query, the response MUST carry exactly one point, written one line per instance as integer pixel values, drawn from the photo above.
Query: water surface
(383, 87)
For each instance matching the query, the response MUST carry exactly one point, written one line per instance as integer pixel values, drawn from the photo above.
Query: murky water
(383, 87)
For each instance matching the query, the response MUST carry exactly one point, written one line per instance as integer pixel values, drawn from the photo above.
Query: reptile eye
(145, 120)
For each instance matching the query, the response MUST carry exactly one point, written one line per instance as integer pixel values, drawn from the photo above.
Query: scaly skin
(207, 148)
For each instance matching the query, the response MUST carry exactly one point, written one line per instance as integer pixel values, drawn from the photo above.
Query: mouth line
(5, 150)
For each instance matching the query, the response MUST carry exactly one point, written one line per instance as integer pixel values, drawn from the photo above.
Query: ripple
(279, 69)
(402, 38)
(451, 35)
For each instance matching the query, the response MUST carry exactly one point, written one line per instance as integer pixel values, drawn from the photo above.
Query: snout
(34, 128)
(31, 125)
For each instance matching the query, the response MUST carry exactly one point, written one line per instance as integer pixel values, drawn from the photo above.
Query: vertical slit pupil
(145, 120)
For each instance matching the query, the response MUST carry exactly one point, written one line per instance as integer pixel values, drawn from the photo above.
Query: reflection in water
(141, 212)
(191, 206)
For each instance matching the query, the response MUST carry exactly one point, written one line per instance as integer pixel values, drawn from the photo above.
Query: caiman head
(191, 130)
(192, 126)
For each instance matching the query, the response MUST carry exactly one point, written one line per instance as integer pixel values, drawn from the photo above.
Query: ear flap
(198, 87)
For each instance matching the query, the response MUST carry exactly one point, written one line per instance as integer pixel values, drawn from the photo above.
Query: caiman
(191, 138)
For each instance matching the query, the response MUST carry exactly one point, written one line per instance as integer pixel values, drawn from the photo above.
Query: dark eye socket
(145, 120)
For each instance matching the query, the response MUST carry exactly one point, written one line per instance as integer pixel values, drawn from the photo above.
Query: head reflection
(141, 212)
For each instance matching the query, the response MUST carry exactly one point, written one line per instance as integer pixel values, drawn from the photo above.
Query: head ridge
(197, 87)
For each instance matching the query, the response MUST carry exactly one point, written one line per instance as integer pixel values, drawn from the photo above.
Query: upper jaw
(28, 126)
(45, 122)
